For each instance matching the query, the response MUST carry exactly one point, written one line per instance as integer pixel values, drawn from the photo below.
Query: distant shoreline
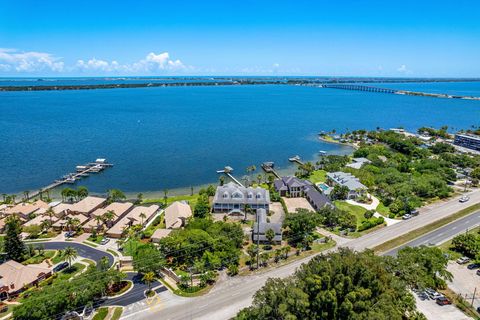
(233, 82)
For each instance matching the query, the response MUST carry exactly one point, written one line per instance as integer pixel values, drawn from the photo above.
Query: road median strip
(412, 235)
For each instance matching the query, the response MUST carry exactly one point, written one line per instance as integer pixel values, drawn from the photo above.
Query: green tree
(422, 267)
(108, 217)
(339, 192)
(148, 278)
(147, 258)
(341, 285)
(13, 244)
(115, 195)
(82, 192)
(202, 207)
(69, 254)
(270, 234)
(467, 244)
(301, 224)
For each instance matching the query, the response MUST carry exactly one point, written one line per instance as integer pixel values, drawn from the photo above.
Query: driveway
(373, 206)
(136, 293)
(293, 204)
(82, 250)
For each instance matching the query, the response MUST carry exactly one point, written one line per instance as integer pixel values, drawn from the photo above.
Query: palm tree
(50, 213)
(104, 263)
(165, 197)
(69, 254)
(4, 195)
(26, 194)
(108, 216)
(45, 225)
(149, 277)
(98, 219)
(115, 195)
(82, 192)
(142, 216)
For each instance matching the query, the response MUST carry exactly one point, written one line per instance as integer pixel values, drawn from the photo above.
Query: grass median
(398, 241)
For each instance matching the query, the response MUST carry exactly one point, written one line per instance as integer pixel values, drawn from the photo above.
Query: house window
(259, 196)
(225, 195)
(237, 195)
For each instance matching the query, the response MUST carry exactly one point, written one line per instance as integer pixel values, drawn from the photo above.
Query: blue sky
(331, 38)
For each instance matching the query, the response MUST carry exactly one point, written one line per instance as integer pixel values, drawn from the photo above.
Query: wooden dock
(92, 167)
(268, 167)
(296, 159)
(228, 172)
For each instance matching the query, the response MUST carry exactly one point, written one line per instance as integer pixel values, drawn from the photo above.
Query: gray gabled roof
(346, 179)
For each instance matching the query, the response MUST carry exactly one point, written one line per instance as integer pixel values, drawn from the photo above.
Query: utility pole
(258, 238)
(473, 297)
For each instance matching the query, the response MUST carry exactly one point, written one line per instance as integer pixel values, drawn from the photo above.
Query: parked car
(430, 293)
(104, 241)
(69, 234)
(414, 213)
(443, 301)
(472, 266)
(437, 295)
(464, 199)
(463, 260)
(60, 267)
(406, 216)
(478, 272)
(423, 295)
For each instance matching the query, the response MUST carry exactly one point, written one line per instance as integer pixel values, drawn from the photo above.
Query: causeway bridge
(357, 87)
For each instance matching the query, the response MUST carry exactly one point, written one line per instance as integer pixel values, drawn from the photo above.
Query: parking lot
(433, 311)
(465, 281)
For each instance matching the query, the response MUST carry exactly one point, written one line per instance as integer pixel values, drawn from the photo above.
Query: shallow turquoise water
(179, 136)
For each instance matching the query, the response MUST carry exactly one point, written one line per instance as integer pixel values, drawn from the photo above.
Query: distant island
(229, 81)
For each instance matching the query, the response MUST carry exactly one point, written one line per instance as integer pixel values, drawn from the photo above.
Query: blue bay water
(175, 137)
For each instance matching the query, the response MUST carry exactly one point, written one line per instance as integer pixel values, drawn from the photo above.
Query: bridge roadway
(358, 88)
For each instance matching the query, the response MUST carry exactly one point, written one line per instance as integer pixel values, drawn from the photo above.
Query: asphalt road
(136, 293)
(443, 234)
(233, 294)
(139, 287)
(82, 250)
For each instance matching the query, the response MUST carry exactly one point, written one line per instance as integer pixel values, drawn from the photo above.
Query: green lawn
(192, 200)
(57, 258)
(383, 210)
(96, 239)
(318, 176)
(117, 313)
(68, 273)
(47, 254)
(101, 313)
(353, 209)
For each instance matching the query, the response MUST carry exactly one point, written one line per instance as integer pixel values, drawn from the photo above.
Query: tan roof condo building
(15, 277)
(160, 234)
(23, 210)
(139, 215)
(119, 210)
(176, 214)
(88, 205)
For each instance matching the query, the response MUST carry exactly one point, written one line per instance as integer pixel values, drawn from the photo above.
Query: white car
(464, 199)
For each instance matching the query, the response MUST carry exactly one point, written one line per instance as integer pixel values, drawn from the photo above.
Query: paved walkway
(339, 240)
(373, 206)
(82, 237)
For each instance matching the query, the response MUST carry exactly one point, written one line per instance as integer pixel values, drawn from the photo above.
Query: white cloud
(15, 61)
(403, 69)
(150, 64)
(31, 61)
